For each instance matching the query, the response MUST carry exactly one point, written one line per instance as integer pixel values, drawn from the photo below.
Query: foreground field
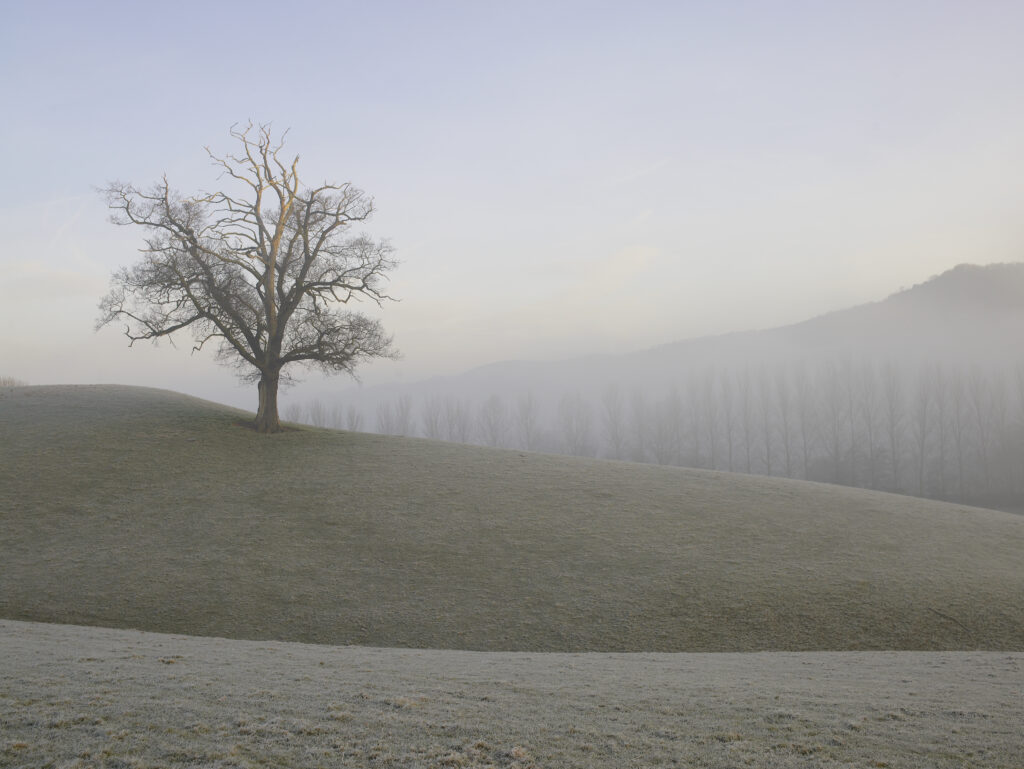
(88, 697)
(135, 508)
(131, 508)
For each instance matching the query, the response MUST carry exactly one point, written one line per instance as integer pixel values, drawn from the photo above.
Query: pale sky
(557, 178)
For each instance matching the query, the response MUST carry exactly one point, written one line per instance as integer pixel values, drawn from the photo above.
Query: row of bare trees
(942, 431)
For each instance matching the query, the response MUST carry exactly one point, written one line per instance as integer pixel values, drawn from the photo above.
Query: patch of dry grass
(137, 508)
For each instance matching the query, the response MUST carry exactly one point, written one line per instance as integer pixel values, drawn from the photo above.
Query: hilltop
(137, 508)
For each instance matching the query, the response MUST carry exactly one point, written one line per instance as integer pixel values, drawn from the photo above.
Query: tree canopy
(266, 271)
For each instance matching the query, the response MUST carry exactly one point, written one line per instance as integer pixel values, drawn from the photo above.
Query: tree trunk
(267, 420)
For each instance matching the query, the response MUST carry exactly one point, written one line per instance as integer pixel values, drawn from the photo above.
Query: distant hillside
(138, 508)
(968, 314)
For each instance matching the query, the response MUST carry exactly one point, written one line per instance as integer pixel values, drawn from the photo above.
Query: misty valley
(922, 394)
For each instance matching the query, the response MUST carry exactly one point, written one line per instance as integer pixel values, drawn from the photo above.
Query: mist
(558, 183)
(920, 394)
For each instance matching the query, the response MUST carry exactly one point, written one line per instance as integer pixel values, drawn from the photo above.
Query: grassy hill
(139, 508)
(963, 316)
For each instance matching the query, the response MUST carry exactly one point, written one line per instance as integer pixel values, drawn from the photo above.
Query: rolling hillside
(965, 315)
(137, 508)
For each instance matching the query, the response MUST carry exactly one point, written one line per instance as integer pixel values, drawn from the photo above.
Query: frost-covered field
(135, 508)
(78, 697)
(132, 508)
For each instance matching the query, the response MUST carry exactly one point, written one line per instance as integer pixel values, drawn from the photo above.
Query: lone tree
(262, 272)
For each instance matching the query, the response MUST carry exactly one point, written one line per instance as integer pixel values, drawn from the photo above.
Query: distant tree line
(942, 431)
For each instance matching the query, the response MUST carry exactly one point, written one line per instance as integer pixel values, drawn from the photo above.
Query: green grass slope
(139, 508)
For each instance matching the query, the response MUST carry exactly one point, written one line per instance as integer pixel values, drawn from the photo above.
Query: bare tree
(710, 414)
(575, 417)
(999, 410)
(293, 412)
(959, 424)
(921, 424)
(979, 396)
(695, 422)
(728, 417)
(262, 272)
(1017, 422)
(1018, 380)
(892, 406)
(849, 388)
(640, 417)
(432, 418)
(457, 423)
(806, 409)
(404, 422)
(941, 402)
(767, 410)
(868, 403)
(527, 422)
(784, 398)
(613, 421)
(353, 419)
(337, 417)
(395, 418)
(746, 413)
(664, 430)
(833, 402)
(494, 421)
(316, 413)
(386, 418)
